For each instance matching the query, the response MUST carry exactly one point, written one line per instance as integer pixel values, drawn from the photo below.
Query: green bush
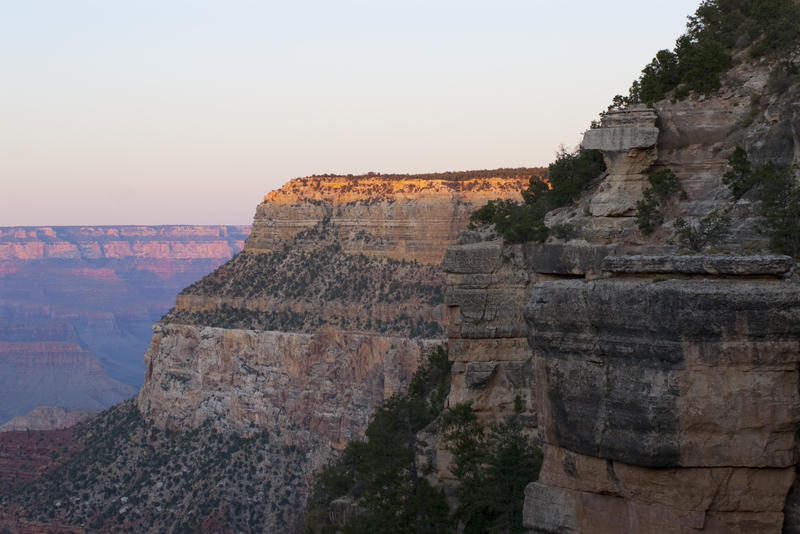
(659, 77)
(517, 222)
(717, 30)
(663, 185)
(492, 470)
(707, 231)
(740, 179)
(779, 194)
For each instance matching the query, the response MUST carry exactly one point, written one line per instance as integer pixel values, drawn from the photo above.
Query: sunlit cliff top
(338, 189)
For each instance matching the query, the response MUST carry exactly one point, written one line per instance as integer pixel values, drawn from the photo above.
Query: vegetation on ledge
(377, 486)
(130, 476)
(718, 29)
(663, 186)
(312, 282)
(287, 320)
(569, 174)
(778, 192)
(449, 176)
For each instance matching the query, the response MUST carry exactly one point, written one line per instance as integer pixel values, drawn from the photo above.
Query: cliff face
(393, 216)
(663, 388)
(325, 314)
(324, 384)
(77, 305)
(638, 374)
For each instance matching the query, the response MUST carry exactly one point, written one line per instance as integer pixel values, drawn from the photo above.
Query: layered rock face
(675, 399)
(662, 387)
(323, 385)
(402, 217)
(326, 313)
(77, 305)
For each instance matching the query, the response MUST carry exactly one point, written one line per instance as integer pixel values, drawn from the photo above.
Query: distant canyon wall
(77, 306)
(398, 217)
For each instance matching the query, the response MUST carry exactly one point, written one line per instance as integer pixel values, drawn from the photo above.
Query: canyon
(282, 353)
(77, 306)
(327, 312)
(658, 375)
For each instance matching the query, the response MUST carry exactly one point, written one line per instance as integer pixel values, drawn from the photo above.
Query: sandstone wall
(326, 314)
(196, 372)
(323, 384)
(407, 218)
(663, 390)
(673, 404)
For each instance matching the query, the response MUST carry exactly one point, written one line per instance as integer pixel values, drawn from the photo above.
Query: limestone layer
(664, 402)
(326, 384)
(399, 217)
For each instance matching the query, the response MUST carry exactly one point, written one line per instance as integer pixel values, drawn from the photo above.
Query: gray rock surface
(669, 373)
(725, 264)
(623, 130)
(478, 374)
(549, 510)
(566, 259)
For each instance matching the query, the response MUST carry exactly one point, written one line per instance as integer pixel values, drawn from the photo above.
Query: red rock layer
(27, 455)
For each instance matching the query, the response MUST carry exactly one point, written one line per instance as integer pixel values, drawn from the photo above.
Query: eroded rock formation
(403, 217)
(627, 139)
(325, 314)
(663, 387)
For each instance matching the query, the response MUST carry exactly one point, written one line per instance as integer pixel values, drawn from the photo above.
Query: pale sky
(188, 112)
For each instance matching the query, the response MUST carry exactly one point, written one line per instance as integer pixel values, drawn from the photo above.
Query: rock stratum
(662, 386)
(401, 217)
(325, 314)
(77, 305)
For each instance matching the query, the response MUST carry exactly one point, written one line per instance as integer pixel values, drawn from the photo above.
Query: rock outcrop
(676, 397)
(326, 313)
(662, 387)
(628, 140)
(402, 217)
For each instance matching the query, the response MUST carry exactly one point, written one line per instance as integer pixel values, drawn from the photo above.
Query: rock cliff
(662, 387)
(325, 314)
(402, 217)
